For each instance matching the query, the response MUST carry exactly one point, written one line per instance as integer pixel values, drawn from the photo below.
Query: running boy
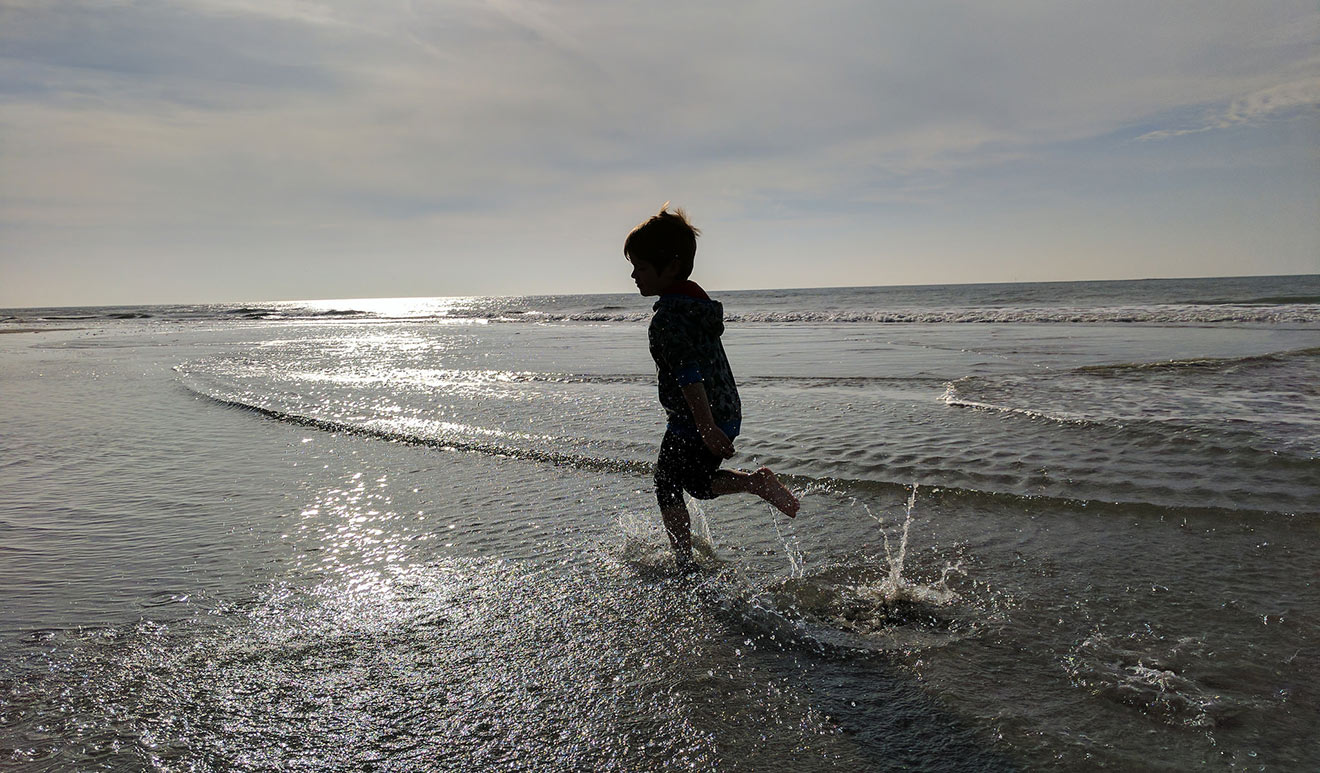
(697, 389)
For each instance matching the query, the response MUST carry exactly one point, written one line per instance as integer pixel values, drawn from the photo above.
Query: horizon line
(624, 292)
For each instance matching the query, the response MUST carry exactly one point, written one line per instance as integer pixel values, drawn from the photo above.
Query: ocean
(1050, 526)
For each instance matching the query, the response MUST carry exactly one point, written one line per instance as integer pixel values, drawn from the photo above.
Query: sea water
(1044, 526)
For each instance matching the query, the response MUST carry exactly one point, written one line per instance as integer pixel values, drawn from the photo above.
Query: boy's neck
(686, 287)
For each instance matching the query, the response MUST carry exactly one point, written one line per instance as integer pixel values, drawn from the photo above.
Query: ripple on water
(1159, 677)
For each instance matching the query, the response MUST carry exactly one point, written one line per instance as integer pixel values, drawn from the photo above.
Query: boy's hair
(665, 238)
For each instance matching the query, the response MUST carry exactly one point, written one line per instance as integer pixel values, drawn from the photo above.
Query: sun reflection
(394, 308)
(343, 533)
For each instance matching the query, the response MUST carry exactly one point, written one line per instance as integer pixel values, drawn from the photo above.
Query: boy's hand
(714, 437)
(718, 442)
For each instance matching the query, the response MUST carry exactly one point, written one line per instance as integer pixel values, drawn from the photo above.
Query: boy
(697, 389)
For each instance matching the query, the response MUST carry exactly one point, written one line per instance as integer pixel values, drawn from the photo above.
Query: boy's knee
(668, 499)
(668, 492)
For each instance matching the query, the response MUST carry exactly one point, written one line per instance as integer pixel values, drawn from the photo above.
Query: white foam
(1152, 314)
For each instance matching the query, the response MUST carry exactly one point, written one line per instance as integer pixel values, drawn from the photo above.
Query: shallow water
(261, 537)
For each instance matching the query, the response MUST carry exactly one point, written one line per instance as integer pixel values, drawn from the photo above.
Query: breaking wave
(1199, 314)
(1305, 310)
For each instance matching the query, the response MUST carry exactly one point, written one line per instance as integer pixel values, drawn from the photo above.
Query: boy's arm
(711, 434)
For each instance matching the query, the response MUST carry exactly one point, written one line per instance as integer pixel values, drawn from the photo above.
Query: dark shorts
(685, 464)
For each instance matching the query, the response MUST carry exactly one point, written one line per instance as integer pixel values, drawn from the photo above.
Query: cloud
(152, 47)
(1251, 109)
(414, 121)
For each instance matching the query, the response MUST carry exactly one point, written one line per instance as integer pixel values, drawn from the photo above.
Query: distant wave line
(1298, 309)
(1278, 300)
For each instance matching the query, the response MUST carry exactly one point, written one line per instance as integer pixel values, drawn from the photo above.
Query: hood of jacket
(705, 314)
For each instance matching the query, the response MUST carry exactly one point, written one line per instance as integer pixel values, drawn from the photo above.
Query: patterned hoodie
(685, 344)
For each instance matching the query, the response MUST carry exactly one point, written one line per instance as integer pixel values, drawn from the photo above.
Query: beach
(1050, 526)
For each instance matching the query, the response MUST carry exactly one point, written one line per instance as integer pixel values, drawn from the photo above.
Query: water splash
(797, 567)
(645, 546)
(700, 528)
(893, 587)
(894, 582)
(797, 559)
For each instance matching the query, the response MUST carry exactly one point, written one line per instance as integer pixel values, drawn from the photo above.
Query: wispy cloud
(1284, 100)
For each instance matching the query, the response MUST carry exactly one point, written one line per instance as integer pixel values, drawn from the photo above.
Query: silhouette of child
(697, 389)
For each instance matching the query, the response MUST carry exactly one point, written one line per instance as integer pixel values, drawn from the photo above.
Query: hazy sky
(194, 150)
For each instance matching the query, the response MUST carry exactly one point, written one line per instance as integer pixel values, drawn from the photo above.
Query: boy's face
(648, 280)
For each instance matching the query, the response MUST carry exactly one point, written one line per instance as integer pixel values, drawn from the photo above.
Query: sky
(157, 151)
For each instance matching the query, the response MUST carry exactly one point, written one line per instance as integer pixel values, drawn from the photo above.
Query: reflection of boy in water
(697, 389)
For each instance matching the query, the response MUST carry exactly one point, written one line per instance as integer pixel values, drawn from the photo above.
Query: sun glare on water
(393, 308)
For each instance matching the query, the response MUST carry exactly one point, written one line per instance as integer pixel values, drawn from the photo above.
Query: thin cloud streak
(1259, 106)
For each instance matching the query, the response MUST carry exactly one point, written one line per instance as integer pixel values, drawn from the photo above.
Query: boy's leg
(763, 483)
(678, 525)
(669, 471)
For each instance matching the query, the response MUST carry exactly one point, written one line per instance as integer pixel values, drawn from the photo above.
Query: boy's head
(666, 241)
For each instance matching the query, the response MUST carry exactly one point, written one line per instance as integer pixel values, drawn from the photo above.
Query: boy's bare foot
(766, 485)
